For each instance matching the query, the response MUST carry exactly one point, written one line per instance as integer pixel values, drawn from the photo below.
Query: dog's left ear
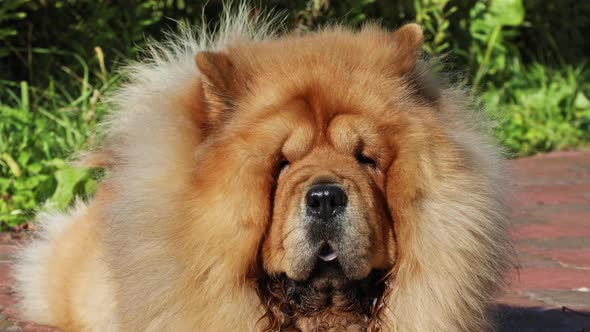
(407, 42)
(222, 83)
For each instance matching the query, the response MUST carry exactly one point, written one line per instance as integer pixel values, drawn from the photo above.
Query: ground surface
(551, 229)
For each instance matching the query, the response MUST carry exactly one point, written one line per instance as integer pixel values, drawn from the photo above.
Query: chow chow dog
(266, 181)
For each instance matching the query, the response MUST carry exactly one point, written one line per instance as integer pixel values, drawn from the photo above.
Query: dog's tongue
(330, 257)
(327, 254)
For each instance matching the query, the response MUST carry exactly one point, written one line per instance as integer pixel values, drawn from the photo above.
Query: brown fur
(194, 229)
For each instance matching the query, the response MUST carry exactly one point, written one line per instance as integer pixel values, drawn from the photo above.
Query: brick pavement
(551, 230)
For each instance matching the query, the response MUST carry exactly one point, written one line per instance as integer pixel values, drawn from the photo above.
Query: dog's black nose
(325, 201)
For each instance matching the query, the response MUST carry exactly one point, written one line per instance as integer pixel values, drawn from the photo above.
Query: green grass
(38, 136)
(542, 109)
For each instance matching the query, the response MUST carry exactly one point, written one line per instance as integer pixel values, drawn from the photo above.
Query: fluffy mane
(152, 138)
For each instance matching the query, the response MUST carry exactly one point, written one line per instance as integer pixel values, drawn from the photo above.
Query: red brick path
(551, 229)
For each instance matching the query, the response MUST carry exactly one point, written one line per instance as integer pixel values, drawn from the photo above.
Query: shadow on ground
(541, 319)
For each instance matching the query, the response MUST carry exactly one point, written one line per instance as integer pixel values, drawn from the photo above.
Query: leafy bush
(33, 148)
(542, 109)
(527, 59)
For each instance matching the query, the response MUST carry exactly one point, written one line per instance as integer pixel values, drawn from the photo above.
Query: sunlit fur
(182, 226)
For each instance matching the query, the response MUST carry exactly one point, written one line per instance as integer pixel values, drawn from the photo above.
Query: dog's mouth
(327, 253)
(327, 274)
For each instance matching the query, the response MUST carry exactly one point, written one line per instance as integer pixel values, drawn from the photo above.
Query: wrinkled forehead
(327, 90)
(304, 123)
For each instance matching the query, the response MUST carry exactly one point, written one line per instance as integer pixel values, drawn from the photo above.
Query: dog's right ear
(222, 84)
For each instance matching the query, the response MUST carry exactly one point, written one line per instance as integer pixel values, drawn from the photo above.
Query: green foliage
(542, 109)
(9, 12)
(33, 146)
(489, 51)
(527, 59)
(433, 17)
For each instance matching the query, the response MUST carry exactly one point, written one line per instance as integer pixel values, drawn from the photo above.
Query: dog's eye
(281, 166)
(365, 160)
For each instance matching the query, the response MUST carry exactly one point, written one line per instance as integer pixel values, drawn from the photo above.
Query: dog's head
(319, 118)
(335, 156)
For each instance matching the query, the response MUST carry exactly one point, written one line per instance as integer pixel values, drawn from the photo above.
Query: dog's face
(319, 135)
(330, 218)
